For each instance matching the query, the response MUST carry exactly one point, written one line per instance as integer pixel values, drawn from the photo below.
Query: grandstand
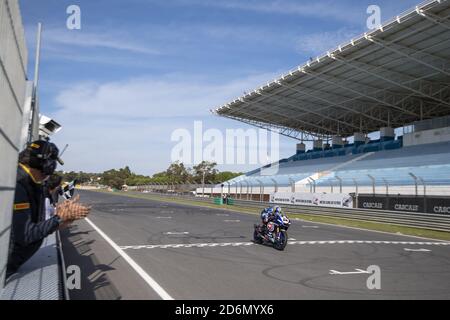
(392, 82)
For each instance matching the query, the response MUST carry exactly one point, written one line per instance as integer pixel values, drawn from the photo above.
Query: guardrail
(417, 220)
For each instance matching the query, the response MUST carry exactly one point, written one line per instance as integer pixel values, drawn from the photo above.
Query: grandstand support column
(229, 188)
(251, 190)
(313, 183)
(240, 190)
(236, 190)
(340, 183)
(292, 182)
(387, 133)
(331, 185)
(301, 147)
(387, 186)
(275, 184)
(246, 182)
(337, 142)
(415, 182)
(359, 138)
(317, 145)
(373, 184)
(261, 190)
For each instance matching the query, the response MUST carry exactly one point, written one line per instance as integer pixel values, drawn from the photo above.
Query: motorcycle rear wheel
(257, 237)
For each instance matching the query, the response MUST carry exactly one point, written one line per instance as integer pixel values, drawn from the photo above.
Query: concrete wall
(13, 63)
(427, 136)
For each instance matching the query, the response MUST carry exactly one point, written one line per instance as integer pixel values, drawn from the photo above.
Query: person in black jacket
(29, 227)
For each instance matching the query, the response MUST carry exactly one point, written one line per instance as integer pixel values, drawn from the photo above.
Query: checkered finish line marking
(241, 244)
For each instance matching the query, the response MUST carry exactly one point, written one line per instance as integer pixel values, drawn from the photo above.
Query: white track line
(417, 250)
(358, 271)
(150, 281)
(318, 242)
(176, 233)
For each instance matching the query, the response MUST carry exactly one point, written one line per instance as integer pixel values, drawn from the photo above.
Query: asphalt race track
(201, 253)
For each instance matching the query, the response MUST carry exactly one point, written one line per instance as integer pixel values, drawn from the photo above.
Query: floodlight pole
(415, 182)
(35, 83)
(373, 183)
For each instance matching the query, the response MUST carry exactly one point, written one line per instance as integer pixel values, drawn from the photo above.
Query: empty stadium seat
(430, 162)
(394, 164)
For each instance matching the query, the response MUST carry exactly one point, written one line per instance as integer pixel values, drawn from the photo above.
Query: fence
(258, 190)
(437, 222)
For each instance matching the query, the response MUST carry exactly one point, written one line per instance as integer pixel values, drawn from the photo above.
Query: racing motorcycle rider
(267, 216)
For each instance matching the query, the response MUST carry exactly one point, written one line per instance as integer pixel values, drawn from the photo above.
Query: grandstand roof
(391, 76)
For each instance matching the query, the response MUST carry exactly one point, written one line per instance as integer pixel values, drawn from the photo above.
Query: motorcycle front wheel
(282, 242)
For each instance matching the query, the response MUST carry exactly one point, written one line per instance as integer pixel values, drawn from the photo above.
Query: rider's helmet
(277, 210)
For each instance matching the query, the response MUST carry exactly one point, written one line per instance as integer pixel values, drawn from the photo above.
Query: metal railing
(436, 222)
(255, 187)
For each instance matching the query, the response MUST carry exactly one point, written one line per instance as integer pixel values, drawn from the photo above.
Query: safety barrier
(438, 222)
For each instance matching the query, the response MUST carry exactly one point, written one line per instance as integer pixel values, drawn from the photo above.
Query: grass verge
(368, 225)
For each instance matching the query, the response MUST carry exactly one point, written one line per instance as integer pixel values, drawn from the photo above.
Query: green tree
(205, 171)
(226, 175)
(177, 172)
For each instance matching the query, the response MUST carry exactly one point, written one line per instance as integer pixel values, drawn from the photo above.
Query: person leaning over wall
(29, 225)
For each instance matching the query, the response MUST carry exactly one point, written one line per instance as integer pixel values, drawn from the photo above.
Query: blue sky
(140, 69)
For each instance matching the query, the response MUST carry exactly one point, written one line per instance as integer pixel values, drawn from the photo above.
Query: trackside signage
(438, 205)
(430, 204)
(337, 200)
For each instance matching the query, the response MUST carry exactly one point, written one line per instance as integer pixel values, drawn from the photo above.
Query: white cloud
(130, 122)
(316, 9)
(321, 42)
(169, 96)
(107, 40)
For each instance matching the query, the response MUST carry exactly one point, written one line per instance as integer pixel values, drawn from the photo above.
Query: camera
(48, 126)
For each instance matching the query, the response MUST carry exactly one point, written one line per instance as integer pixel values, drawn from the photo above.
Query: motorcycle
(275, 233)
